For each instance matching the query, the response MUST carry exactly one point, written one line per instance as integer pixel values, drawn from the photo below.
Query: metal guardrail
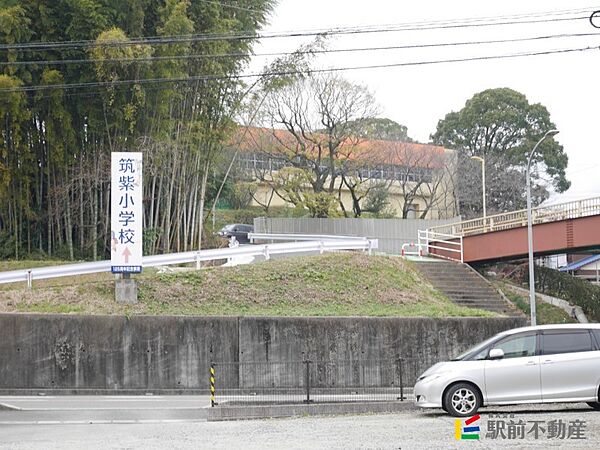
(300, 237)
(235, 383)
(417, 252)
(28, 275)
(516, 219)
(451, 243)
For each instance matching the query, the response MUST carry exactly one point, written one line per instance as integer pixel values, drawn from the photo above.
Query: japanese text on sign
(126, 212)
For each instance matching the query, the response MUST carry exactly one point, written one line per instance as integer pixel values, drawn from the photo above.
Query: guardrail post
(29, 279)
(321, 247)
(307, 380)
(212, 385)
(266, 252)
(370, 251)
(197, 258)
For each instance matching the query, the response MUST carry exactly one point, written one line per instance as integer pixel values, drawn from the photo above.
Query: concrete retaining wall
(112, 352)
(154, 353)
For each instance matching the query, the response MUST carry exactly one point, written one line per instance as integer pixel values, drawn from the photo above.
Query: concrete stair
(465, 286)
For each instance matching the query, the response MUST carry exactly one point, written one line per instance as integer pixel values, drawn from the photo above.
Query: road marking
(114, 408)
(99, 422)
(9, 406)
(137, 397)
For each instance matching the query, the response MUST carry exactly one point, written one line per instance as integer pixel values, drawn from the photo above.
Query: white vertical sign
(126, 212)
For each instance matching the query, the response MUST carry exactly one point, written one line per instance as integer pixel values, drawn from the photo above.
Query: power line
(227, 5)
(321, 51)
(286, 73)
(313, 31)
(560, 12)
(157, 40)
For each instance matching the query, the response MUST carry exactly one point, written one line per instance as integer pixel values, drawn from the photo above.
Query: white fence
(324, 245)
(451, 243)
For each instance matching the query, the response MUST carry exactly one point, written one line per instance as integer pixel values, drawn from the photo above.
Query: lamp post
(548, 134)
(482, 161)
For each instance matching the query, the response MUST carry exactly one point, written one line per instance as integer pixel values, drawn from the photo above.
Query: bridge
(561, 228)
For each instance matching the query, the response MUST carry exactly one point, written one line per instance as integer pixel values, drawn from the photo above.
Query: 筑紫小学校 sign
(126, 212)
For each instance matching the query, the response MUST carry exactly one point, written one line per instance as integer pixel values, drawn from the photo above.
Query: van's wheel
(595, 405)
(462, 400)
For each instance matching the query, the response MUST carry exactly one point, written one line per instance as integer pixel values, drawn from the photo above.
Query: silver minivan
(542, 364)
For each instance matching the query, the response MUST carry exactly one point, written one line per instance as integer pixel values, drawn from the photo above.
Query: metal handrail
(266, 250)
(428, 239)
(515, 219)
(299, 237)
(417, 246)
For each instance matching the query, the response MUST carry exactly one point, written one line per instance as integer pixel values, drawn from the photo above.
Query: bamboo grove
(55, 143)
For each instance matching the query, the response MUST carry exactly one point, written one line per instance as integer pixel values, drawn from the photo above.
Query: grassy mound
(342, 284)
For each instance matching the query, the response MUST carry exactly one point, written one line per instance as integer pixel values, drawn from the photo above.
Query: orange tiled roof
(253, 139)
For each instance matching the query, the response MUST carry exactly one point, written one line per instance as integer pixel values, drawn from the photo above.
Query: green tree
(380, 128)
(501, 126)
(55, 144)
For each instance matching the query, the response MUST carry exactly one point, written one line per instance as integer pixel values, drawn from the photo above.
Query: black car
(238, 230)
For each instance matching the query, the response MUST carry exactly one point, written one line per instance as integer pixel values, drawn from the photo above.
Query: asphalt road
(179, 422)
(72, 410)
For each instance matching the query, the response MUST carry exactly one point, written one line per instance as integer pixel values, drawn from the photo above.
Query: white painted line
(24, 397)
(99, 422)
(115, 408)
(137, 397)
(9, 406)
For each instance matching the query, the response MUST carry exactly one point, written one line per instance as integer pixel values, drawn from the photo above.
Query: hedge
(575, 290)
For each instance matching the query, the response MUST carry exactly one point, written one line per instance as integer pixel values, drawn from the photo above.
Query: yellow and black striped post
(212, 385)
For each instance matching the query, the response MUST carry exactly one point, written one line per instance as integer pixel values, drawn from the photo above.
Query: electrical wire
(287, 73)
(318, 51)
(228, 5)
(156, 40)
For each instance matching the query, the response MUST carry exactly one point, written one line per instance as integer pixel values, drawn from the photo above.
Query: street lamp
(530, 228)
(482, 161)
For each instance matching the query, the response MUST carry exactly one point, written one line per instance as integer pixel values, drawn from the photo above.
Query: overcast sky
(567, 84)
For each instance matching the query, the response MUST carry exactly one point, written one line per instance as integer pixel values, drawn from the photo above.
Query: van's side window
(518, 346)
(567, 341)
(596, 332)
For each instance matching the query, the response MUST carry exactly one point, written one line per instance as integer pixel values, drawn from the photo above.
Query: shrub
(575, 290)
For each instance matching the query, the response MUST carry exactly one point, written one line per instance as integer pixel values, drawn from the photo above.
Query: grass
(343, 284)
(545, 313)
(11, 264)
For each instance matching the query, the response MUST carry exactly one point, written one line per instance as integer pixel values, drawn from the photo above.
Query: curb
(222, 413)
